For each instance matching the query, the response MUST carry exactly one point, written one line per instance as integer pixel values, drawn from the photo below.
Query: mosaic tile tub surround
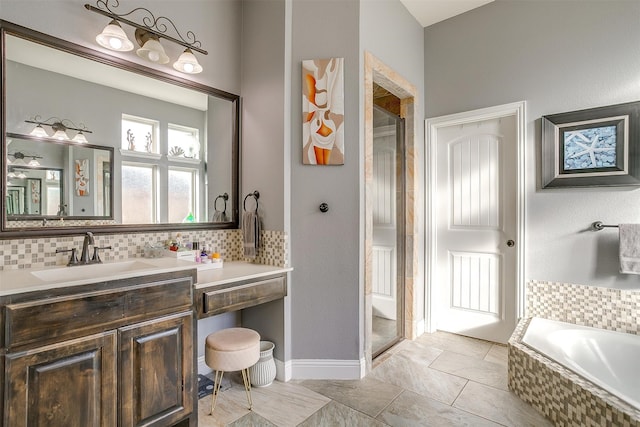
(604, 308)
(41, 252)
(564, 397)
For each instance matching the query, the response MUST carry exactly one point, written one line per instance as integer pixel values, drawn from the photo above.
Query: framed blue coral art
(594, 147)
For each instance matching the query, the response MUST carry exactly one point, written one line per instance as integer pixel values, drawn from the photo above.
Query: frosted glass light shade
(80, 138)
(61, 135)
(39, 132)
(113, 37)
(33, 162)
(153, 51)
(188, 63)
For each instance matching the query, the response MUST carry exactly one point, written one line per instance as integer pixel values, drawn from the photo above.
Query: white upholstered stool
(232, 349)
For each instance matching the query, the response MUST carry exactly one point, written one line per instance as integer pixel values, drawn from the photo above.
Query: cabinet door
(68, 384)
(156, 371)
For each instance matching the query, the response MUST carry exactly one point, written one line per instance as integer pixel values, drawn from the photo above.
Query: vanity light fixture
(188, 63)
(152, 50)
(60, 132)
(80, 138)
(59, 128)
(113, 37)
(148, 35)
(39, 132)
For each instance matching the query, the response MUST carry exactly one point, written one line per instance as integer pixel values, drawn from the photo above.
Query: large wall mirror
(155, 151)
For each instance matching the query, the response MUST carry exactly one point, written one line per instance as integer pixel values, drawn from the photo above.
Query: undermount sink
(89, 271)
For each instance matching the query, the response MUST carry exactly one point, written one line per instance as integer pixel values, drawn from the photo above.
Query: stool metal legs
(218, 383)
(216, 390)
(247, 386)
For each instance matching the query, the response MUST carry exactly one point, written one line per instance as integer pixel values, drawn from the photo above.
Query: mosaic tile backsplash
(604, 308)
(41, 252)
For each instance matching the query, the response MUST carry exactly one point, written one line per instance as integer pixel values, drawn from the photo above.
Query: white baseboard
(309, 369)
(327, 369)
(283, 370)
(419, 327)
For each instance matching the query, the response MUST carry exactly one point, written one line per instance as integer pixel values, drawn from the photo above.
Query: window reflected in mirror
(172, 144)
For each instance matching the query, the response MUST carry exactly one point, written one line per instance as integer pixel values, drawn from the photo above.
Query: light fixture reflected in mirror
(188, 63)
(60, 128)
(113, 37)
(148, 35)
(19, 159)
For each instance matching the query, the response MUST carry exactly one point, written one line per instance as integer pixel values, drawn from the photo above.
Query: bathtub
(609, 359)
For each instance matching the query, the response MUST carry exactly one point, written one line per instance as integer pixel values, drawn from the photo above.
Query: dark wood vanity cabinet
(71, 383)
(156, 371)
(110, 354)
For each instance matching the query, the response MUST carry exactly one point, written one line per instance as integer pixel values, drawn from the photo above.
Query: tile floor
(437, 380)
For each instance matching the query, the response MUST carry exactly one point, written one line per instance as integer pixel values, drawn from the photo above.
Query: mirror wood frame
(85, 52)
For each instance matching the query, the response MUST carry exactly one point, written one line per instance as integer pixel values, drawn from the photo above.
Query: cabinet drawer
(55, 319)
(244, 295)
(42, 321)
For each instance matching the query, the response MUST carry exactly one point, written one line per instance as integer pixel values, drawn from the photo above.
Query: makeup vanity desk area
(236, 286)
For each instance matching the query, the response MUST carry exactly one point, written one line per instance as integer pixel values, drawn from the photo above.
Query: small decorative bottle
(263, 372)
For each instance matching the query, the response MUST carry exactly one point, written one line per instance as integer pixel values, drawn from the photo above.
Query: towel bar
(598, 225)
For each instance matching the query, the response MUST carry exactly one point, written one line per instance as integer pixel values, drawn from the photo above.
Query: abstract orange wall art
(323, 112)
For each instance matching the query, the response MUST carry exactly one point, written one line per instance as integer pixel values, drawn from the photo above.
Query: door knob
(510, 243)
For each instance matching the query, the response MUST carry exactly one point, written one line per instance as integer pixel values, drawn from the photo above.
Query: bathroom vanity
(116, 348)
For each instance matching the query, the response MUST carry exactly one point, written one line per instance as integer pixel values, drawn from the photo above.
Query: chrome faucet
(88, 240)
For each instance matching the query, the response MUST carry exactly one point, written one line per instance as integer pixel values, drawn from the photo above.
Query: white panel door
(384, 256)
(476, 226)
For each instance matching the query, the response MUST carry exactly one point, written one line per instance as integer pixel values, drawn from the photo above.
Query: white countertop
(37, 279)
(236, 271)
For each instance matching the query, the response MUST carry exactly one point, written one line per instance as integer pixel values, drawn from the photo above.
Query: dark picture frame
(593, 147)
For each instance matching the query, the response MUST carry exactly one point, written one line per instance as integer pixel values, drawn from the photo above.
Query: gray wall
(558, 56)
(264, 141)
(263, 112)
(325, 247)
(326, 283)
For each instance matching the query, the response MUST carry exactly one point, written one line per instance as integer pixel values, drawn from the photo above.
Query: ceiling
(428, 12)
